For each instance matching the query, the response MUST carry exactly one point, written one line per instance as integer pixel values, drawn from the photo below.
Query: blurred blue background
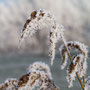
(74, 15)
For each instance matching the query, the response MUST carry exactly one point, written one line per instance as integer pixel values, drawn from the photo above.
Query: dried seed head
(9, 84)
(40, 66)
(39, 19)
(78, 62)
(39, 76)
(70, 45)
(75, 66)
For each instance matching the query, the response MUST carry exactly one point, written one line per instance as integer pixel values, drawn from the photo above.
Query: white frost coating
(39, 76)
(42, 18)
(83, 48)
(31, 83)
(72, 44)
(65, 62)
(40, 66)
(9, 84)
(40, 80)
(64, 55)
(25, 88)
(84, 52)
(83, 69)
(77, 65)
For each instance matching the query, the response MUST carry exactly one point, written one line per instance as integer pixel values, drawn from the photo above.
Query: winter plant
(42, 18)
(39, 75)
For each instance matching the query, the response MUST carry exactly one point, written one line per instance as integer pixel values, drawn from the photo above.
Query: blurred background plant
(73, 14)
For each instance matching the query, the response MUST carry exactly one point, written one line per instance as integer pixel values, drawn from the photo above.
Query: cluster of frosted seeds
(39, 19)
(39, 66)
(75, 66)
(79, 61)
(38, 76)
(70, 45)
(9, 84)
(23, 82)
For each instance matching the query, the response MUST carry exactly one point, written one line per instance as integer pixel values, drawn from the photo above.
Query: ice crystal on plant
(42, 18)
(70, 45)
(38, 76)
(75, 66)
(78, 62)
(9, 84)
(40, 66)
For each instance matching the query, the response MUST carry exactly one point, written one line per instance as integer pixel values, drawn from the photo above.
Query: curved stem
(76, 72)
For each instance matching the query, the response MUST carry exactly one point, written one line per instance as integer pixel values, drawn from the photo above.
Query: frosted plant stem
(80, 81)
(84, 80)
(76, 72)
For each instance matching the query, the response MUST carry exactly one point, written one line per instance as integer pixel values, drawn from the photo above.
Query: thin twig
(84, 80)
(80, 81)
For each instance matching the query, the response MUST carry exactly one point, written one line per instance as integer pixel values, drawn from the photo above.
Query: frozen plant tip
(39, 66)
(75, 66)
(38, 76)
(72, 45)
(39, 19)
(78, 62)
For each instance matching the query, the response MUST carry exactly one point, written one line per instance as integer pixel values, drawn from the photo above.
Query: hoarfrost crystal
(78, 62)
(42, 18)
(9, 84)
(38, 76)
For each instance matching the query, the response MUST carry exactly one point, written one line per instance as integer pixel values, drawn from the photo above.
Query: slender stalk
(80, 81)
(76, 72)
(84, 80)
